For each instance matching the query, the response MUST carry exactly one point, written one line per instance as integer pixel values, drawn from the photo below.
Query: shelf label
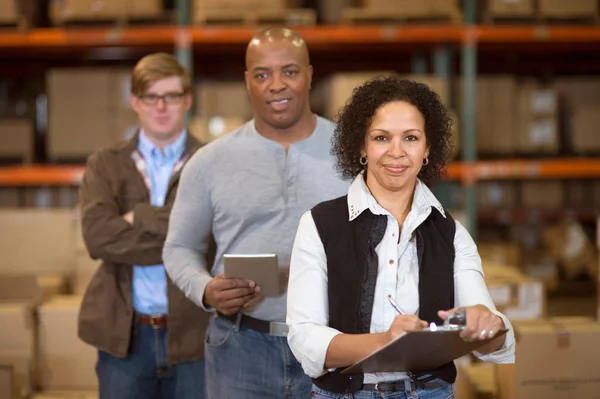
(114, 35)
(183, 39)
(541, 33)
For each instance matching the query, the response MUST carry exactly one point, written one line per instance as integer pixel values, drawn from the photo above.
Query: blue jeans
(246, 364)
(445, 392)
(145, 374)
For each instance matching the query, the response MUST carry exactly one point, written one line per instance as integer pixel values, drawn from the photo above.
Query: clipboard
(417, 351)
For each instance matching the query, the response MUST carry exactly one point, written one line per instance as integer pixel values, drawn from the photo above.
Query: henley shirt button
(391, 261)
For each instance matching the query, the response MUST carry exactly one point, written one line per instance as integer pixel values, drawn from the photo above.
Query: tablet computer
(260, 268)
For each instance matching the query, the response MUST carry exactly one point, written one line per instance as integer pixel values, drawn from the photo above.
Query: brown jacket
(111, 187)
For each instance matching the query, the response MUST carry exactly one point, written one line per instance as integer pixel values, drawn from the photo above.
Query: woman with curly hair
(386, 258)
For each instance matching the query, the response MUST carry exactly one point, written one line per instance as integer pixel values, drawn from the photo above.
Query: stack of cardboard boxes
(16, 136)
(552, 253)
(221, 107)
(39, 347)
(515, 294)
(62, 11)
(545, 9)
(556, 358)
(405, 10)
(252, 12)
(88, 109)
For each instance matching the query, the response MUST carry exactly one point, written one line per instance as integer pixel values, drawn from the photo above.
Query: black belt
(426, 384)
(262, 326)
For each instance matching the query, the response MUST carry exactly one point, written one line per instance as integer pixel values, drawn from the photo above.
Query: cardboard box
(571, 8)
(579, 108)
(516, 295)
(539, 264)
(10, 197)
(65, 10)
(331, 94)
(227, 99)
(6, 382)
(19, 294)
(247, 4)
(8, 11)
(510, 8)
(492, 195)
(207, 130)
(36, 241)
(90, 394)
(568, 243)
(579, 195)
(495, 113)
(505, 253)
(546, 195)
(52, 285)
(144, 8)
(537, 119)
(409, 7)
(555, 360)
(88, 110)
(16, 136)
(444, 7)
(78, 102)
(578, 91)
(15, 378)
(584, 128)
(330, 11)
(475, 381)
(65, 361)
(502, 92)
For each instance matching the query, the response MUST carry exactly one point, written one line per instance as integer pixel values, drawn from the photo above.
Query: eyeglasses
(168, 98)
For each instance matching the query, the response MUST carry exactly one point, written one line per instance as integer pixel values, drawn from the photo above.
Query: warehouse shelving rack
(328, 44)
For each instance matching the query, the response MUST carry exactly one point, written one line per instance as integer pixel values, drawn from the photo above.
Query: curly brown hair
(355, 118)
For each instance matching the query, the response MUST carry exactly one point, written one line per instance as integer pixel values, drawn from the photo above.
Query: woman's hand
(482, 324)
(405, 323)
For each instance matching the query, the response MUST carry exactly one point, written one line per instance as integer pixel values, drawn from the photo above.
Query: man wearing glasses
(148, 334)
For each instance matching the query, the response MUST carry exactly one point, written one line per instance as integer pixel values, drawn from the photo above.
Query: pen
(394, 304)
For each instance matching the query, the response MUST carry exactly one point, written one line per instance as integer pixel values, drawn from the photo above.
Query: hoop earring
(363, 161)
(426, 162)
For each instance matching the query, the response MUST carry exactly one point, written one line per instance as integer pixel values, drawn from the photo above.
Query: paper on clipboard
(417, 351)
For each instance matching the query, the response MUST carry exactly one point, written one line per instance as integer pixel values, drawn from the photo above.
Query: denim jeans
(246, 364)
(145, 374)
(445, 392)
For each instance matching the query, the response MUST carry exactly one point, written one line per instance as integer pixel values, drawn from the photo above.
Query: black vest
(352, 273)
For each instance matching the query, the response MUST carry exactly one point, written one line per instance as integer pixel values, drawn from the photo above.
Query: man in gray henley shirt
(249, 190)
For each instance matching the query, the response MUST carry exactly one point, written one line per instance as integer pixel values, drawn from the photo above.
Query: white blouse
(398, 275)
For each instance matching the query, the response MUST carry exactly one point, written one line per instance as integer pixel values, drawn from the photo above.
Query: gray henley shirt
(250, 193)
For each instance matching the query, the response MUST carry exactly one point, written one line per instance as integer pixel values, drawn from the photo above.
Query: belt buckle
(154, 321)
(390, 387)
(278, 329)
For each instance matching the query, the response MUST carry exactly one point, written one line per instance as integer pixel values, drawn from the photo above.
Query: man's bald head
(278, 78)
(281, 37)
